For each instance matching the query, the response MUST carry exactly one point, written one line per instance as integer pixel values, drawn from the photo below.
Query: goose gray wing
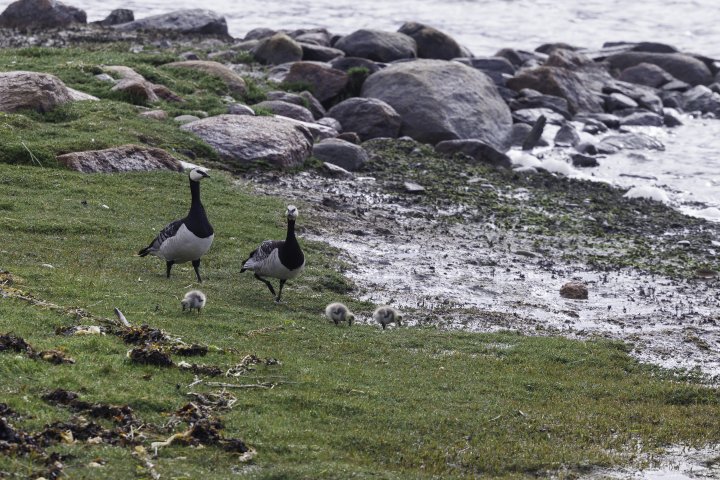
(258, 256)
(169, 231)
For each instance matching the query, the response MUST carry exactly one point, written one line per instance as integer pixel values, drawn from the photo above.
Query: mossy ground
(359, 401)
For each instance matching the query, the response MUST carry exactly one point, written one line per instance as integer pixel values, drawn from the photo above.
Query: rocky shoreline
(407, 136)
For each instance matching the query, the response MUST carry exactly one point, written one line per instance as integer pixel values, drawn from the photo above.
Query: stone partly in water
(36, 91)
(234, 82)
(241, 139)
(574, 290)
(683, 67)
(368, 117)
(195, 20)
(339, 152)
(40, 14)
(583, 161)
(629, 141)
(440, 100)
(127, 158)
(378, 45)
(567, 136)
(431, 42)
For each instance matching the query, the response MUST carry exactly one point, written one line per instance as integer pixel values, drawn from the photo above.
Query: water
(688, 170)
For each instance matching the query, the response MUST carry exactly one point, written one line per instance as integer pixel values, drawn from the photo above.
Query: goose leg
(282, 284)
(269, 285)
(196, 266)
(168, 266)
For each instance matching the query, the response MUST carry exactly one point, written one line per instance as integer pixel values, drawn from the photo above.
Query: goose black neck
(290, 231)
(195, 194)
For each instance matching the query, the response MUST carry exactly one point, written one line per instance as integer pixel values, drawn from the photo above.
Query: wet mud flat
(486, 250)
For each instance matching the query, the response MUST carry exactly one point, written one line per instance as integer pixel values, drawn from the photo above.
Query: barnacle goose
(283, 259)
(337, 312)
(385, 315)
(193, 299)
(187, 239)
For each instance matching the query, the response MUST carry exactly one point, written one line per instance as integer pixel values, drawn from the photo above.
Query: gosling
(337, 312)
(385, 315)
(193, 299)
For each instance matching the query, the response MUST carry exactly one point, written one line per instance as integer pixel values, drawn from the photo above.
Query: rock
(519, 134)
(347, 63)
(377, 45)
(645, 119)
(188, 56)
(607, 119)
(319, 53)
(332, 170)
(574, 290)
(259, 33)
(234, 82)
(431, 42)
(701, 99)
(127, 158)
(155, 114)
(489, 64)
(244, 139)
(654, 47)
(425, 95)
(618, 101)
(683, 67)
(629, 141)
(556, 104)
(645, 97)
(320, 130)
(530, 116)
(286, 109)
(671, 117)
(517, 57)
(183, 119)
(587, 148)
(412, 187)
(138, 89)
(535, 134)
(676, 86)
(593, 127)
(278, 49)
(351, 137)
(315, 36)
(222, 56)
(559, 82)
(332, 123)
(104, 77)
(326, 82)
(40, 14)
(240, 109)
(196, 20)
(117, 16)
(339, 152)
(368, 117)
(584, 161)
(37, 91)
(475, 149)
(549, 48)
(567, 136)
(646, 74)
(304, 99)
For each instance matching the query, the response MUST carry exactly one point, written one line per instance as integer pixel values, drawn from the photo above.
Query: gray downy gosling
(385, 315)
(337, 312)
(193, 299)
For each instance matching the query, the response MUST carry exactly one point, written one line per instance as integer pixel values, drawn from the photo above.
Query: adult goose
(187, 239)
(282, 259)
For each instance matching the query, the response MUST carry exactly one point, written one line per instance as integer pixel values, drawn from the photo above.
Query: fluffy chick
(193, 299)
(385, 315)
(337, 312)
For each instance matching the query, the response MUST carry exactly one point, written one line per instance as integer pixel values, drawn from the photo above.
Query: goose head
(292, 212)
(198, 173)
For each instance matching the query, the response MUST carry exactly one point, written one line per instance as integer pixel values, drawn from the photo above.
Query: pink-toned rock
(36, 91)
(127, 158)
(574, 290)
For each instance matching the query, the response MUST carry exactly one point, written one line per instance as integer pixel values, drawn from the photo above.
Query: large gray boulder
(341, 153)
(196, 20)
(683, 67)
(244, 139)
(431, 42)
(40, 14)
(37, 91)
(127, 158)
(277, 49)
(440, 100)
(377, 45)
(368, 117)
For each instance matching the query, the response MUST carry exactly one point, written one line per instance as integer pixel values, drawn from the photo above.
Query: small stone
(584, 161)
(155, 114)
(412, 187)
(574, 290)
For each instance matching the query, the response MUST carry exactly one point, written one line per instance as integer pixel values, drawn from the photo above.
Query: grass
(404, 403)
